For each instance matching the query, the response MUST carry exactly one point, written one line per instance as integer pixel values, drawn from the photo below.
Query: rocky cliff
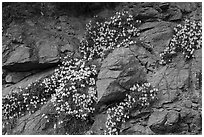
(107, 68)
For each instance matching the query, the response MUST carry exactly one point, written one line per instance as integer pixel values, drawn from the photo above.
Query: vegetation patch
(104, 35)
(186, 39)
(140, 96)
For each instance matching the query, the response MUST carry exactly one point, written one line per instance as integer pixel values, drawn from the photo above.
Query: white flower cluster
(75, 88)
(116, 116)
(187, 39)
(27, 100)
(104, 36)
(142, 95)
(72, 88)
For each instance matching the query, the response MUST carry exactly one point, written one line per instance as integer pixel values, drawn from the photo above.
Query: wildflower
(187, 39)
(106, 35)
(143, 95)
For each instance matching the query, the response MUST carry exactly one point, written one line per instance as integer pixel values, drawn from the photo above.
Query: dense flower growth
(187, 39)
(75, 89)
(140, 95)
(71, 88)
(27, 101)
(104, 36)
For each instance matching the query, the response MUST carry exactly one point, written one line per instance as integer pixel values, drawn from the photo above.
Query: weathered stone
(102, 85)
(111, 68)
(164, 121)
(157, 117)
(133, 73)
(196, 15)
(26, 81)
(192, 118)
(142, 51)
(196, 68)
(72, 46)
(114, 92)
(187, 103)
(197, 61)
(126, 125)
(15, 77)
(185, 6)
(47, 51)
(172, 118)
(164, 5)
(157, 120)
(174, 13)
(184, 113)
(196, 125)
(34, 123)
(149, 25)
(183, 127)
(158, 34)
(168, 96)
(148, 12)
(140, 113)
(18, 56)
(99, 126)
(41, 46)
(135, 129)
(120, 56)
(169, 80)
(175, 105)
(107, 73)
(195, 106)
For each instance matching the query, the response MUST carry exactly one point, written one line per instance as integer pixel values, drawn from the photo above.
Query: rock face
(37, 45)
(118, 70)
(34, 123)
(15, 77)
(20, 55)
(32, 49)
(163, 121)
(26, 81)
(99, 126)
(157, 34)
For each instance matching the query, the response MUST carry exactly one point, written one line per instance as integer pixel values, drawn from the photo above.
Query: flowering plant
(103, 36)
(187, 39)
(140, 96)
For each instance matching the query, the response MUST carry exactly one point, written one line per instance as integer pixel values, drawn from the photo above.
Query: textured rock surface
(34, 123)
(38, 44)
(32, 48)
(15, 77)
(117, 70)
(99, 126)
(26, 81)
(157, 34)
